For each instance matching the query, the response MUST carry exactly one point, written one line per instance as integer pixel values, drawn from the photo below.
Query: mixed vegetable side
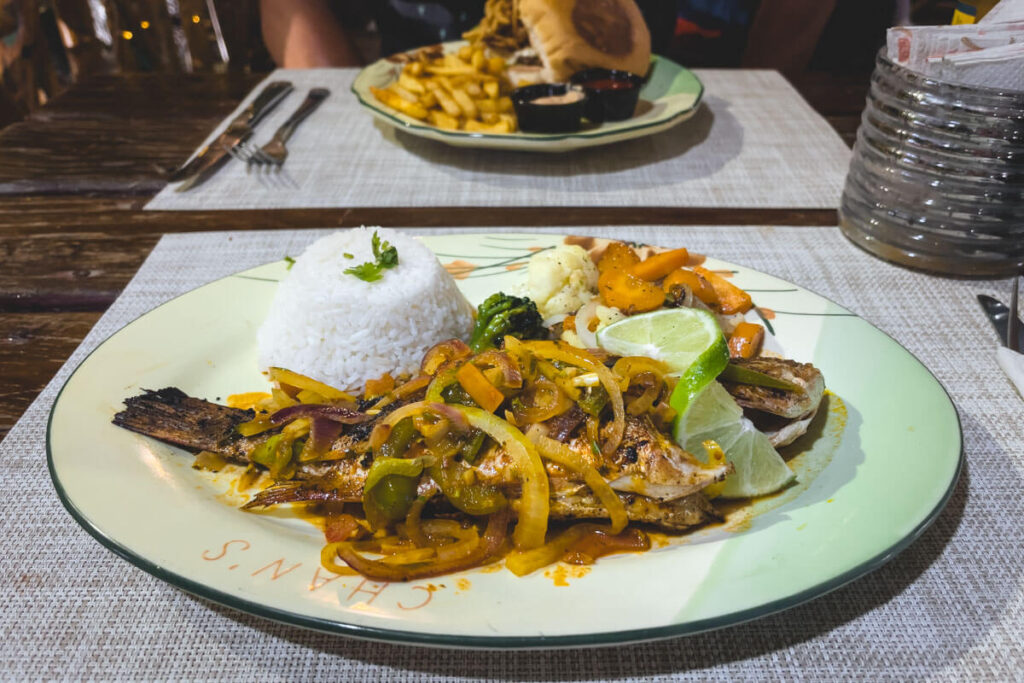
(630, 285)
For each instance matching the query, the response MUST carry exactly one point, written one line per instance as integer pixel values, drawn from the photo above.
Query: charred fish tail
(172, 416)
(294, 492)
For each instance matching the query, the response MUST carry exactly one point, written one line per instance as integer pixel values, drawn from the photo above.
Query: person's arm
(300, 34)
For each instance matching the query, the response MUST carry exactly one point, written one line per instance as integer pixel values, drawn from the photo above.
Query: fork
(275, 152)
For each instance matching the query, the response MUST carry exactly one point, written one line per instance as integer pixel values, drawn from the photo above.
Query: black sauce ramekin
(547, 118)
(609, 103)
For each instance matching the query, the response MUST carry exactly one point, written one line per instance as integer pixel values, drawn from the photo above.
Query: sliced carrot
(745, 341)
(479, 389)
(569, 324)
(657, 266)
(731, 299)
(628, 293)
(700, 287)
(617, 256)
(379, 386)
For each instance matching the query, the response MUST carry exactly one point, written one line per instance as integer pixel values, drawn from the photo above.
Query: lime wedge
(713, 414)
(688, 340)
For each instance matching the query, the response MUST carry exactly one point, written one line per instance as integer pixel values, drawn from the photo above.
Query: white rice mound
(341, 330)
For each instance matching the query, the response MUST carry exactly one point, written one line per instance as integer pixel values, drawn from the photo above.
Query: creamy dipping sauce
(568, 98)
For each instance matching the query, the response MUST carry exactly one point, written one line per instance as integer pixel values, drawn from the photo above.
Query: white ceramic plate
(669, 97)
(875, 470)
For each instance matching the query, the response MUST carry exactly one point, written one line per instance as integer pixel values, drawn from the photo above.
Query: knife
(212, 157)
(999, 315)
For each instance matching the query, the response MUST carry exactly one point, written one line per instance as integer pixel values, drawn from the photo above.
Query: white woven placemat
(951, 607)
(754, 143)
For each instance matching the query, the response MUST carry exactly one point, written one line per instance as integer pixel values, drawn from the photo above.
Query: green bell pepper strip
(402, 467)
(471, 449)
(454, 393)
(389, 501)
(264, 453)
(441, 380)
(398, 440)
(473, 499)
(593, 401)
(272, 456)
(742, 375)
(390, 488)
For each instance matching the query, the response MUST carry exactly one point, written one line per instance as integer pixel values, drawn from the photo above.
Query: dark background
(47, 45)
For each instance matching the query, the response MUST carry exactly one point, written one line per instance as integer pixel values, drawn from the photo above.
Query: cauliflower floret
(572, 339)
(606, 315)
(561, 280)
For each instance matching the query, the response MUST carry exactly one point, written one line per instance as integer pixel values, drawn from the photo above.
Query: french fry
(477, 60)
(461, 70)
(429, 100)
(447, 103)
(442, 120)
(496, 65)
(478, 127)
(411, 83)
(465, 103)
(460, 90)
(446, 83)
(403, 93)
(510, 119)
(395, 101)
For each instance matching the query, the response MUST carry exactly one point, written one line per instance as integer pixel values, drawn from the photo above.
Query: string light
(127, 35)
(144, 24)
(195, 18)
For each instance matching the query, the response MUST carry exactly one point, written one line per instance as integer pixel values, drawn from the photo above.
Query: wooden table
(75, 176)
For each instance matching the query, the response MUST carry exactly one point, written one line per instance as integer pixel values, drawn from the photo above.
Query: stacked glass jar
(937, 176)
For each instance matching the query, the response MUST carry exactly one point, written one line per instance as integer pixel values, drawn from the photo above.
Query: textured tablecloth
(754, 143)
(951, 607)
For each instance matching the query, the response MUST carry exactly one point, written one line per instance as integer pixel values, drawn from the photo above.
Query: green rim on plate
(672, 92)
(884, 465)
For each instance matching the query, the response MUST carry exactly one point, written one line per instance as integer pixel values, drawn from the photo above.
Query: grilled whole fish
(659, 482)
(782, 415)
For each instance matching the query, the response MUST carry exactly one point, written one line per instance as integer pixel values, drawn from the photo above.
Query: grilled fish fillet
(658, 481)
(789, 404)
(783, 416)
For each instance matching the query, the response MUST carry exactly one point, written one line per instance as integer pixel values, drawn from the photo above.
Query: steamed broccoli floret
(503, 314)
